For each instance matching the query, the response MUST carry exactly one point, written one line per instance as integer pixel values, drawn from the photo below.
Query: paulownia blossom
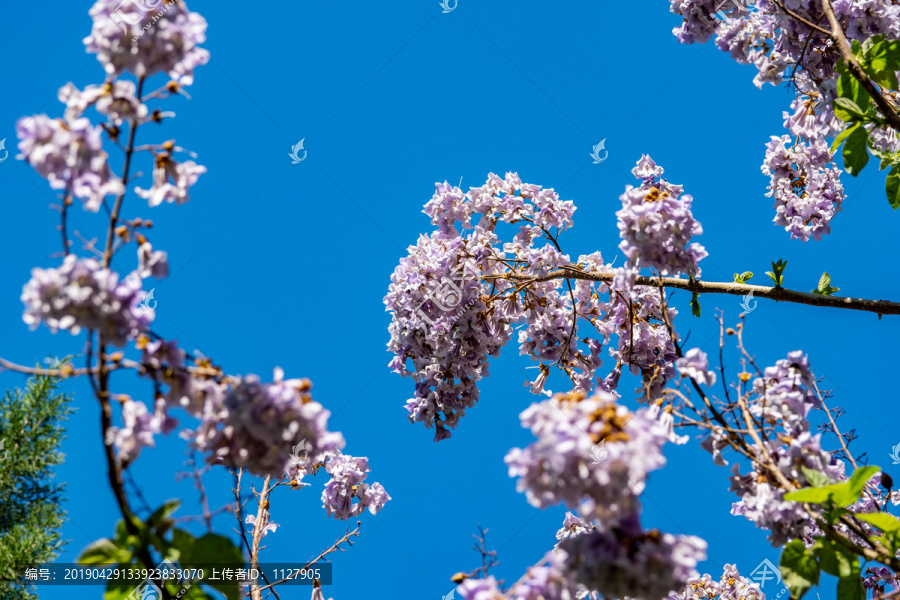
(457, 296)
(783, 46)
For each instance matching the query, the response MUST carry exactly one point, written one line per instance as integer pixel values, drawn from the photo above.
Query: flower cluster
(806, 186)
(254, 425)
(880, 580)
(656, 224)
(547, 581)
(439, 325)
(140, 426)
(629, 561)
(456, 298)
(807, 190)
(145, 37)
(115, 99)
(70, 155)
(81, 294)
(762, 494)
(558, 466)
(786, 393)
(348, 475)
(732, 586)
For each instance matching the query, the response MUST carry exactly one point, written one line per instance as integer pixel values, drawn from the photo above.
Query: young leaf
(816, 478)
(813, 495)
(695, 305)
(848, 87)
(847, 132)
(886, 522)
(892, 187)
(856, 151)
(850, 491)
(799, 568)
(847, 110)
(834, 559)
(104, 552)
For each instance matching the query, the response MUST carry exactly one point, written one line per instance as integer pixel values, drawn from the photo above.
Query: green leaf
(813, 495)
(884, 56)
(886, 522)
(743, 277)
(851, 588)
(892, 187)
(825, 288)
(117, 591)
(834, 559)
(886, 78)
(849, 492)
(842, 494)
(816, 478)
(104, 552)
(772, 276)
(856, 151)
(213, 549)
(695, 304)
(847, 110)
(844, 135)
(162, 513)
(799, 568)
(848, 87)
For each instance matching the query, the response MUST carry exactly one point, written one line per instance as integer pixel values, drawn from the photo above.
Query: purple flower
(628, 561)
(115, 99)
(256, 424)
(69, 154)
(348, 474)
(146, 37)
(656, 225)
(263, 524)
(806, 186)
(140, 427)
(558, 467)
(695, 365)
(171, 180)
(81, 294)
(152, 263)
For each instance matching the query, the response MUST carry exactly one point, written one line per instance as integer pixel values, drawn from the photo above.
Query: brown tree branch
(778, 294)
(837, 34)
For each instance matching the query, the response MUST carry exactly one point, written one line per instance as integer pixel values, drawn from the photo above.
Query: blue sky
(275, 264)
